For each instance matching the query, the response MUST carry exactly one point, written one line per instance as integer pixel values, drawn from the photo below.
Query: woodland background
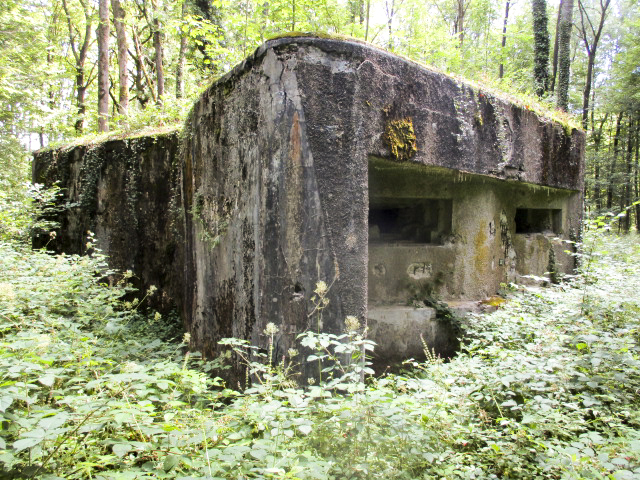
(76, 67)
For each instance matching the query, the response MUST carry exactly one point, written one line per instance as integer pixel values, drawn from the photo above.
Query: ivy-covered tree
(541, 47)
(564, 53)
(554, 62)
(504, 38)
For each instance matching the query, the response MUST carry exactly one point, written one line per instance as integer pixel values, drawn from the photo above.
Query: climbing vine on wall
(212, 217)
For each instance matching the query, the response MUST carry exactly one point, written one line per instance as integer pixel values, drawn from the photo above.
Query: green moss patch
(401, 139)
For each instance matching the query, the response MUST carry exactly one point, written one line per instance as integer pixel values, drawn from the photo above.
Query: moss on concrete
(401, 139)
(96, 139)
(324, 35)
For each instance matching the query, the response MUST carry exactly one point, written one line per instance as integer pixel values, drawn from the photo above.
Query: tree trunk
(141, 96)
(264, 19)
(81, 94)
(459, 28)
(356, 10)
(540, 47)
(293, 15)
(555, 50)
(246, 26)
(597, 141)
(628, 161)
(586, 25)
(157, 46)
(612, 172)
(103, 67)
(123, 56)
(140, 69)
(637, 187)
(80, 57)
(181, 57)
(51, 93)
(366, 30)
(564, 54)
(587, 91)
(504, 39)
(390, 13)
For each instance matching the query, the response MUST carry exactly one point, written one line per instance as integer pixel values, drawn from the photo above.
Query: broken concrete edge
(462, 174)
(115, 135)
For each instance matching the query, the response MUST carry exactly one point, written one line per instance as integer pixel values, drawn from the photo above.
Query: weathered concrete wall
(483, 248)
(125, 192)
(279, 156)
(273, 184)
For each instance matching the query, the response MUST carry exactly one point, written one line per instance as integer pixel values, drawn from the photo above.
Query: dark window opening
(398, 220)
(538, 220)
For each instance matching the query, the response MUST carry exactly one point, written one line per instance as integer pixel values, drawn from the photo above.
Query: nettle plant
(342, 359)
(82, 388)
(27, 210)
(342, 362)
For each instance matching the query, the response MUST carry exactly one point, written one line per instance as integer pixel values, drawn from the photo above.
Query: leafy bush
(26, 210)
(77, 393)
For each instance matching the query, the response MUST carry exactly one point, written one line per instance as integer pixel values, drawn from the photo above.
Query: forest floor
(92, 386)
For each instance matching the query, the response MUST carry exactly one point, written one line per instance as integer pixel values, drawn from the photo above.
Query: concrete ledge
(396, 329)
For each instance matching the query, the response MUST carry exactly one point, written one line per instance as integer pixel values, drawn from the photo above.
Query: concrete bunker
(322, 159)
(437, 234)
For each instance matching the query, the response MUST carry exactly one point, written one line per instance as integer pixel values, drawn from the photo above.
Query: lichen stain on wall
(481, 255)
(294, 193)
(401, 139)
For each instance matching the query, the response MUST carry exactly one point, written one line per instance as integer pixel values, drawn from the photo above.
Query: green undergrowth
(547, 387)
